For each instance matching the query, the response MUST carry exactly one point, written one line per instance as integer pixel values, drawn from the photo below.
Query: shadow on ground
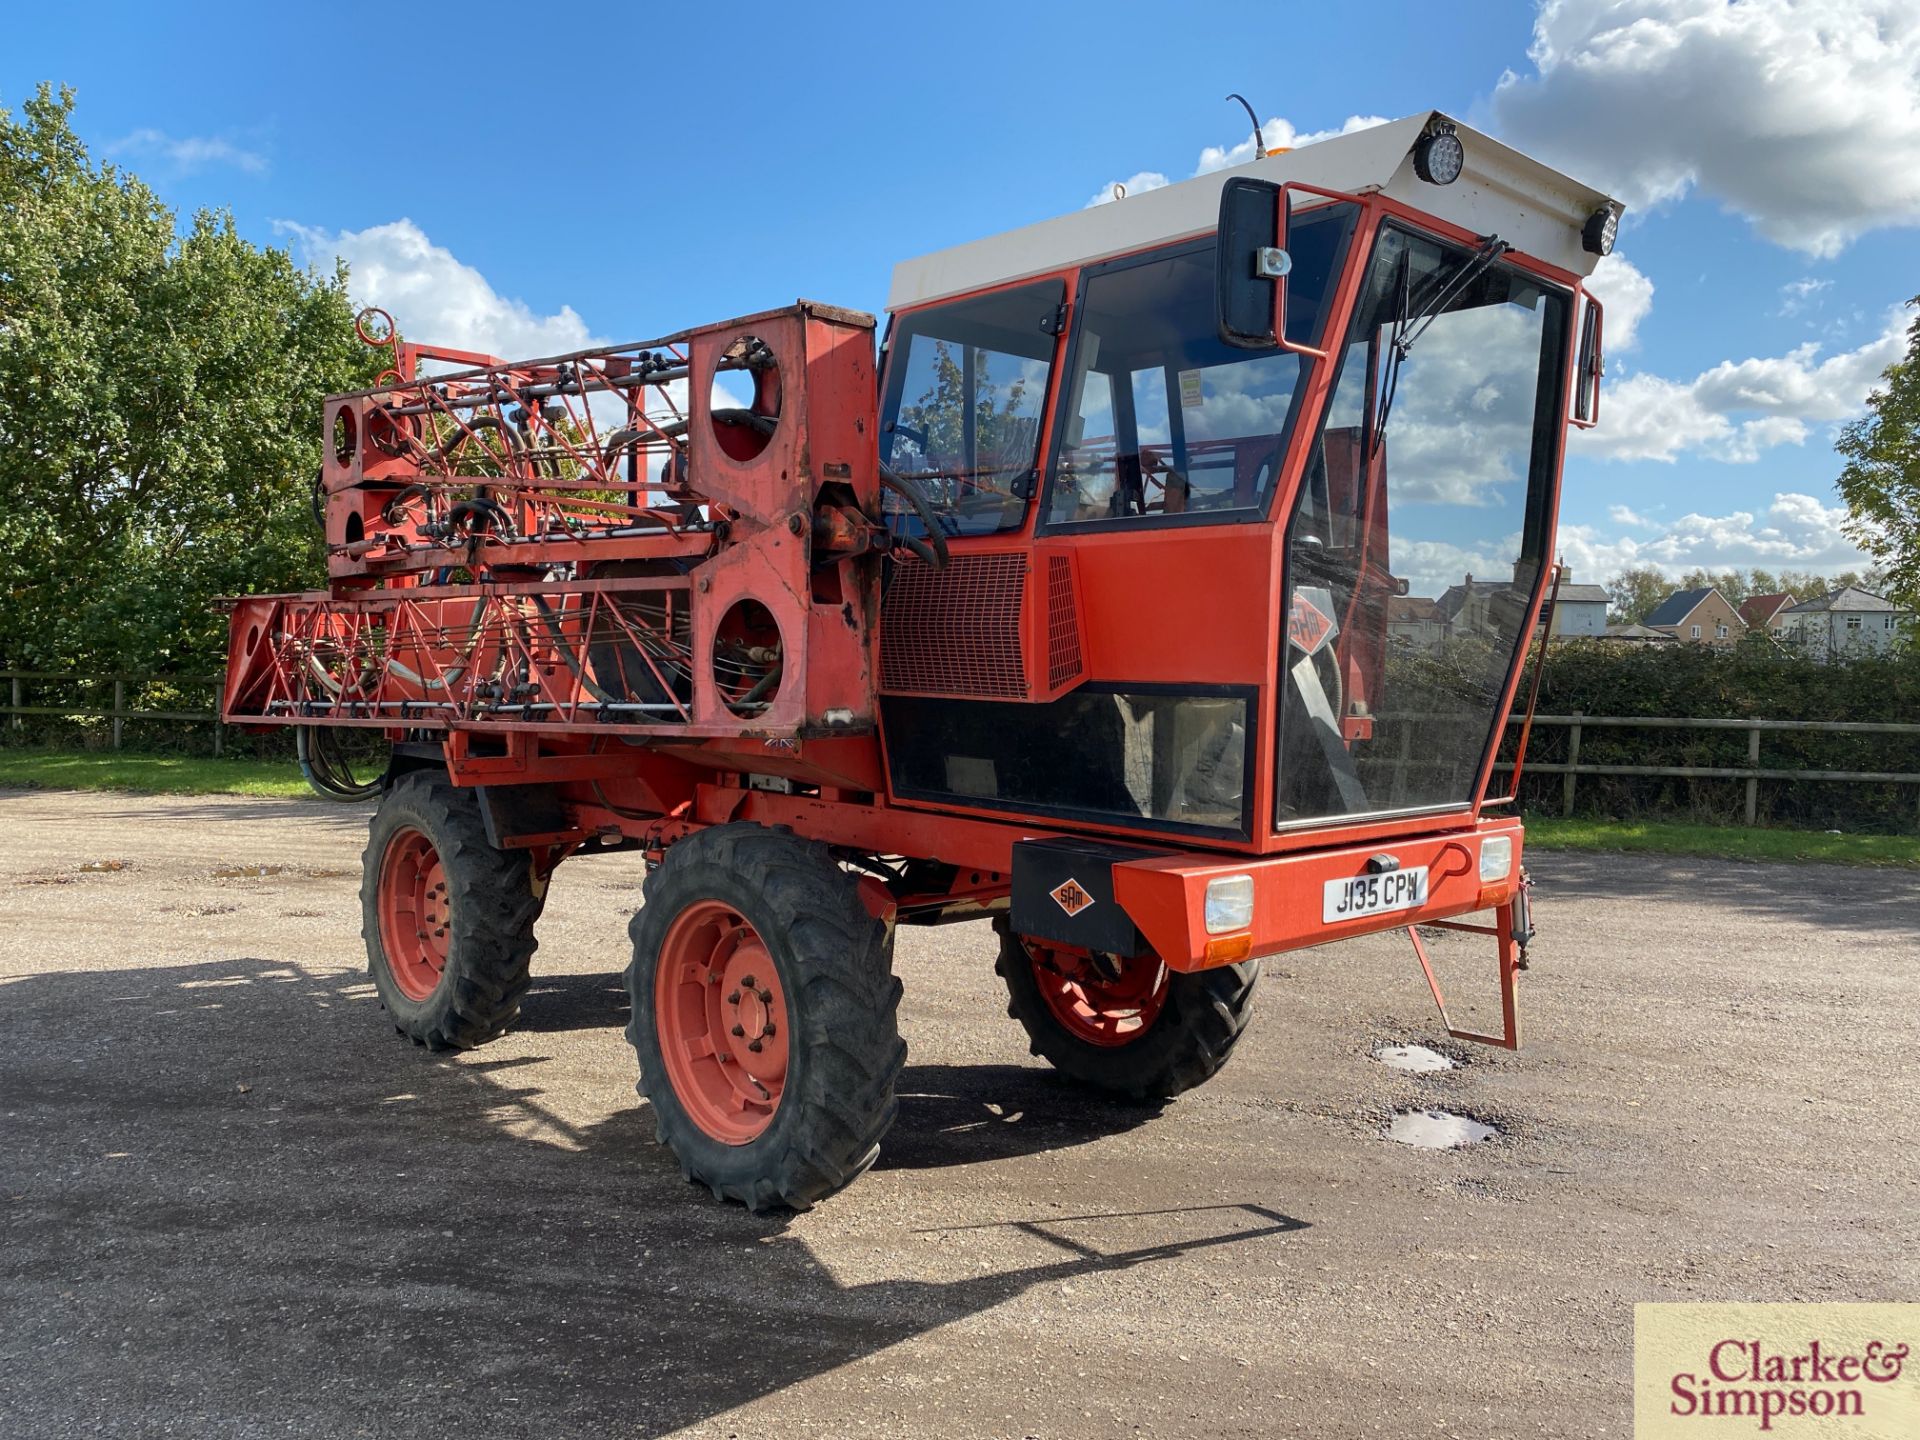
(1840, 897)
(234, 1203)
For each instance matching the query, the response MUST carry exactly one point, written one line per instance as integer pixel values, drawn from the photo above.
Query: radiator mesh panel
(955, 631)
(1063, 625)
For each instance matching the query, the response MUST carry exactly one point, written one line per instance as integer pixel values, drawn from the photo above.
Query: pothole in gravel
(1437, 1130)
(1417, 1058)
(102, 867)
(248, 872)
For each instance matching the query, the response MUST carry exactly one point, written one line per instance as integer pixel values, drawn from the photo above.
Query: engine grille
(955, 631)
(1063, 624)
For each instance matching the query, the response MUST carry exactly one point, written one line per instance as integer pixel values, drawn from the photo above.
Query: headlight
(1229, 903)
(1496, 858)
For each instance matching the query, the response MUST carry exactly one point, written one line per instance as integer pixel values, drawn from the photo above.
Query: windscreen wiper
(1407, 329)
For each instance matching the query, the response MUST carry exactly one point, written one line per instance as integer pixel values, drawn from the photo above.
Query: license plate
(1374, 895)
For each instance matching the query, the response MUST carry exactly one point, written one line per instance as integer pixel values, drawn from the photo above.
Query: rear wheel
(448, 919)
(1132, 1027)
(765, 1016)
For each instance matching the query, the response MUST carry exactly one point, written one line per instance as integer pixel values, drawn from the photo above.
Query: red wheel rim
(415, 912)
(722, 1019)
(1102, 1000)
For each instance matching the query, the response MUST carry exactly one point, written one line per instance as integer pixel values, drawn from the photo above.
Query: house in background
(1480, 607)
(1704, 616)
(1416, 621)
(1579, 609)
(1486, 608)
(1766, 612)
(1848, 620)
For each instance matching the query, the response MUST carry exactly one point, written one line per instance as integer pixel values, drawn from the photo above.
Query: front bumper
(1165, 896)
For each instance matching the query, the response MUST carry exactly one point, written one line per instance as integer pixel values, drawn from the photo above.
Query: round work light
(1596, 236)
(1438, 156)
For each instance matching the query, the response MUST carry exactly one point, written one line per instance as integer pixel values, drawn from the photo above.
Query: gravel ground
(235, 1203)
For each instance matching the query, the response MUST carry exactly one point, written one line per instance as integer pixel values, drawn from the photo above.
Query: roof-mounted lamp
(1438, 155)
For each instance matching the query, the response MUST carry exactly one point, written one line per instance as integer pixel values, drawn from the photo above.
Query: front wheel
(765, 1016)
(1131, 1027)
(447, 918)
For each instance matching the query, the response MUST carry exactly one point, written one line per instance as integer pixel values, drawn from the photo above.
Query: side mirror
(1251, 264)
(1588, 367)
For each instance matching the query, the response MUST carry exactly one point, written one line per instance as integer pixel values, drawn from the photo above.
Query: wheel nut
(739, 1030)
(766, 996)
(767, 1032)
(747, 980)
(734, 998)
(753, 1045)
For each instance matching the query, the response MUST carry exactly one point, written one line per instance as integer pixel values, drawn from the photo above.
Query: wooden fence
(1571, 769)
(117, 712)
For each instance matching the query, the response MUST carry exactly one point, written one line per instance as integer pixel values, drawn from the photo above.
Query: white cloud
(1798, 295)
(1739, 408)
(1627, 295)
(437, 299)
(1797, 532)
(1624, 515)
(1133, 185)
(434, 297)
(188, 153)
(1276, 134)
(1802, 115)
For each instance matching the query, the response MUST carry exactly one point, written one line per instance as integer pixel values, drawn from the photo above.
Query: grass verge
(1722, 842)
(187, 775)
(151, 774)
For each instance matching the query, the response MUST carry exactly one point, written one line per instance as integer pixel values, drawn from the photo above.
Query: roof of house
(1644, 633)
(1848, 597)
(1585, 595)
(1760, 609)
(1412, 609)
(1676, 607)
(1453, 599)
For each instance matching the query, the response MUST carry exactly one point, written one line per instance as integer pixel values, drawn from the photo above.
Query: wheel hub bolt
(766, 997)
(739, 1030)
(734, 998)
(753, 1045)
(747, 980)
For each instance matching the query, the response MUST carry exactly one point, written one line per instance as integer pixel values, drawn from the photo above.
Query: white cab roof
(1501, 192)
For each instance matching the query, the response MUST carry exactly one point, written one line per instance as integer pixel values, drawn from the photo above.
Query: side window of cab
(960, 419)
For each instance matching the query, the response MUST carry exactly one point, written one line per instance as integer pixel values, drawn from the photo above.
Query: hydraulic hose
(934, 549)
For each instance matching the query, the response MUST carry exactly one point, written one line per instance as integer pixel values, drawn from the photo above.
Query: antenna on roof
(1259, 140)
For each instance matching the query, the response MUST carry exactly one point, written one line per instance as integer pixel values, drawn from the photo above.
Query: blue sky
(511, 178)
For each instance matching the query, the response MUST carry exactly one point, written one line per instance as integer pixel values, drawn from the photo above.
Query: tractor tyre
(765, 1016)
(448, 919)
(1129, 1027)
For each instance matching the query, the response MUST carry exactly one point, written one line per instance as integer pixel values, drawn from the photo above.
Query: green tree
(1881, 481)
(160, 405)
(1636, 593)
(1003, 426)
